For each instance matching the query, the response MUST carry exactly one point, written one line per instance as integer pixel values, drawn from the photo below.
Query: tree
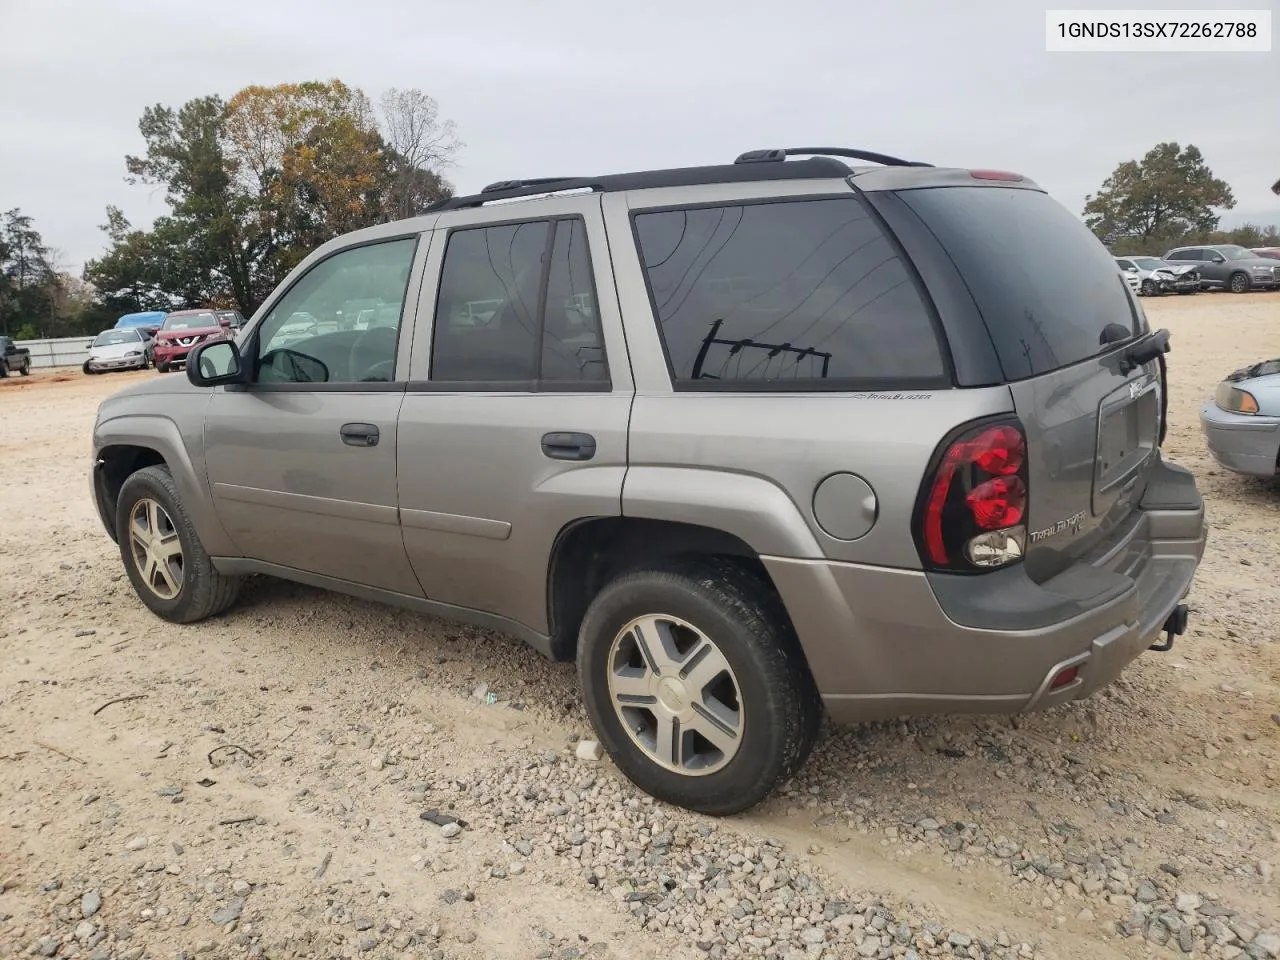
(1159, 199)
(26, 275)
(257, 182)
(418, 143)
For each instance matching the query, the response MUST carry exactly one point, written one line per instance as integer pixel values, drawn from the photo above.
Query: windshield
(1150, 263)
(1001, 238)
(1237, 253)
(190, 321)
(109, 337)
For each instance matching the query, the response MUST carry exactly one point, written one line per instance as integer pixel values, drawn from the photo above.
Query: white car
(118, 349)
(1130, 274)
(1157, 277)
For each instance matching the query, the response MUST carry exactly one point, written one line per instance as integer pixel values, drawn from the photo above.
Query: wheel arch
(590, 552)
(127, 444)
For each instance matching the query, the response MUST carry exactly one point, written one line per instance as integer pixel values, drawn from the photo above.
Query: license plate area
(1128, 424)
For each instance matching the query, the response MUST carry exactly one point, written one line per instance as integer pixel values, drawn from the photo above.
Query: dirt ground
(255, 785)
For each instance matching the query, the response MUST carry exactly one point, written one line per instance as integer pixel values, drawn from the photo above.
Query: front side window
(516, 305)
(311, 334)
(795, 294)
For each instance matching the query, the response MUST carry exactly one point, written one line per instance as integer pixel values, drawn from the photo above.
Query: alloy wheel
(676, 695)
(156, 548)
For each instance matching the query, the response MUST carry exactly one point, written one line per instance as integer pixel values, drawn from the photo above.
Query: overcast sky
(567, 87)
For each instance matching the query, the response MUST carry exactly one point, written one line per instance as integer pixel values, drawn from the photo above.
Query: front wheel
(1149, 288)
(168, 566)
(1239, 283)
(162, 367)
(88, 369)
(696, 684)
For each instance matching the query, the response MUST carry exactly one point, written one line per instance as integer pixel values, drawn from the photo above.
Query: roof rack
(781, 153)
(752, 165)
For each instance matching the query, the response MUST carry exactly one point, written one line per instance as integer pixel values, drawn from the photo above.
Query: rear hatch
(1061, 320)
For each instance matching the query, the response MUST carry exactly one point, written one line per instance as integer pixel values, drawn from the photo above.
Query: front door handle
(569, 446)
(360, 434)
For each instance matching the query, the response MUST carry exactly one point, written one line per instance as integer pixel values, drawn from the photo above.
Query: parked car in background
(1130, 274)
(1160, 277)
(116, 349)
(642, 456)
(182, 330)
(231, 318)
(13, 358)
(1268, 253)
(1229, 266)
(1241, 424)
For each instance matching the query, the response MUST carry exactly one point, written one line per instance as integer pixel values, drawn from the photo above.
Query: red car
(1271, 253)
(182, 330)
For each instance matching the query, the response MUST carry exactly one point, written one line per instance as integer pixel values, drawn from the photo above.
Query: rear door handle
(569, 446)
(360, 434)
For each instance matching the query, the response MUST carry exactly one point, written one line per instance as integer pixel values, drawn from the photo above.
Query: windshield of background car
(1045, 285)
(191, 321)
(111, 337)
(1150, 263)
(1237, 253)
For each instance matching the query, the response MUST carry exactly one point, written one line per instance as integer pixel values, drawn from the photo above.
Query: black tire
(1149, 288)
(4, 369)
(162, 367)
(749, 624)
(203, 591)
(26, 368)
(1239, 282)
(87, 369)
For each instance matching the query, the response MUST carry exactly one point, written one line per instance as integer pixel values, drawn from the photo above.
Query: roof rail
(781, 153)
(512, 189)
(503, 185)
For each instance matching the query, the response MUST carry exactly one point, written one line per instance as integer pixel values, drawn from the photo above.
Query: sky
(570, 87)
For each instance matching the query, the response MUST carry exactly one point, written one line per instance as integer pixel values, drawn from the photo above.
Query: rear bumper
(880, 644)
(1241, 442)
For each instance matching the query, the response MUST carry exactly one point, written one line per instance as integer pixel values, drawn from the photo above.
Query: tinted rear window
(1045, 285)
(795, 294)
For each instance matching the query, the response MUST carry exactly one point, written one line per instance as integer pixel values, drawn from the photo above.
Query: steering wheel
(380, 371)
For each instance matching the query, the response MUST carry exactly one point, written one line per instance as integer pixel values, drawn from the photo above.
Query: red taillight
(998, 503)
(994, 175)
(976, 501)
(1065, 678)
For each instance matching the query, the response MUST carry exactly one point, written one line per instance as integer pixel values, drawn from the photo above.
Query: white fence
(63, 352)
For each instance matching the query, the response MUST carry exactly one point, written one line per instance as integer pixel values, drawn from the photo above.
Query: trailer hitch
(1175, 626)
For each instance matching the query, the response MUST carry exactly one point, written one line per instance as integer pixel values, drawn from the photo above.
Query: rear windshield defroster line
(1044, 284)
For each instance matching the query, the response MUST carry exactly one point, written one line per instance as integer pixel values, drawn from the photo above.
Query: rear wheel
(4, 369)
(168, 566)
(1239, 282)
(26, 368)
(696, 684)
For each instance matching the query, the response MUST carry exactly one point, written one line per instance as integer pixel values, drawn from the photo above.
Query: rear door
(1061, 320)
(514, 424)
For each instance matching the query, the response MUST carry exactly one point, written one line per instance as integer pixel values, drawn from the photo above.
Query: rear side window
(1044, 284)
(795, 294)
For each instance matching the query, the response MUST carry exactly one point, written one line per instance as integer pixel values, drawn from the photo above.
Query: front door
(515, 420)
(302, 462)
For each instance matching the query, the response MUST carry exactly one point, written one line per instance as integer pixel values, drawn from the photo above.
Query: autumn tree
(1159, 199)
(257, 182)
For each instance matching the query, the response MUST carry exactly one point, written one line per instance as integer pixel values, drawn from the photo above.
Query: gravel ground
(314, 776)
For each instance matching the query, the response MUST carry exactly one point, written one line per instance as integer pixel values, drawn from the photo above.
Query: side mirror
(214, 363)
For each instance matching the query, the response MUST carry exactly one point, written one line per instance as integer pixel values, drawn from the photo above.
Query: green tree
(255, 183)
(27, 278)
(1160, 199)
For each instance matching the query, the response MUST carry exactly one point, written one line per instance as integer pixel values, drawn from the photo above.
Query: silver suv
(748, 441)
